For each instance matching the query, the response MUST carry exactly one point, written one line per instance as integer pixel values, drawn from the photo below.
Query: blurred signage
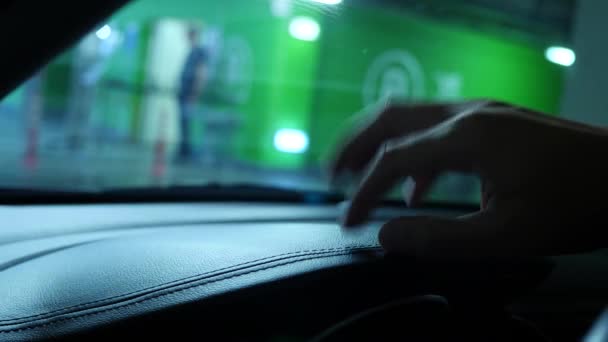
(395, 74)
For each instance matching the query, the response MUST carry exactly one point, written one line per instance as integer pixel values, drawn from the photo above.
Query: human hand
(543, 178)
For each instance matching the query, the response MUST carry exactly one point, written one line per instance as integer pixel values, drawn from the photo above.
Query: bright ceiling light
(304, 28)
(291, 140)
(328, 2)
(281, 8)
(560, 55)
(104, 32)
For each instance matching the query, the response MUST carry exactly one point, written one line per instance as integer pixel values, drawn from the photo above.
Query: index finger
(392, 121)
(429, 152)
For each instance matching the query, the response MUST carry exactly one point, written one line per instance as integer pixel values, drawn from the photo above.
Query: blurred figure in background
(89, 60)
(33, 109)
(190, 89)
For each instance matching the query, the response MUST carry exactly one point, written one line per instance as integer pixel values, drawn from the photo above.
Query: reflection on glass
(190, 92)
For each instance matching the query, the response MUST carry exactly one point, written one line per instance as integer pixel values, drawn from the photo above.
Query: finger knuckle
(388, 110)
(387, 159)
(389, 155)
(474, 123)
(474, 132)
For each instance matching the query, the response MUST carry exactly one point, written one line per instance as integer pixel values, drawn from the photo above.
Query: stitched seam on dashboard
(192, 286)
(197, 277)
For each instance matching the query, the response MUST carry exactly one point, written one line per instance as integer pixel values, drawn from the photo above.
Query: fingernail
(348, 221)
(347, 218)
(342, 210)
(407, 190)
(343, 213)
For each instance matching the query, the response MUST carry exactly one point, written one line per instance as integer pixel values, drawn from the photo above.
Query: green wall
(317, 86)
(487, 66)
(292, 96)
(118, 101)
(275, 100)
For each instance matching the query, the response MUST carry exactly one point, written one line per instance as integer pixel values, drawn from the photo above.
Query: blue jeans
(185, 118)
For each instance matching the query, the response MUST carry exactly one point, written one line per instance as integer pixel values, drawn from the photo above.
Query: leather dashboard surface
(69, 269)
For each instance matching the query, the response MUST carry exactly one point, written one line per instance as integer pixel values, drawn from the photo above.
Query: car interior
(117, 227)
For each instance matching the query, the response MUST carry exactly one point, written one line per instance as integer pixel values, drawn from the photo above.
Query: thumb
(440, 237)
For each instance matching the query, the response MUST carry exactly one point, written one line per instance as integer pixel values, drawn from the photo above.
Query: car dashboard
(232, 271)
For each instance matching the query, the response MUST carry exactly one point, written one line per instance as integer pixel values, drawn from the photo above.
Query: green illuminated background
(315, 86)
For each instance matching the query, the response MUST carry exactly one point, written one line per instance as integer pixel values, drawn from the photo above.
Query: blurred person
(543, 179)
(87, 68)
(191, 85)
(33, 110)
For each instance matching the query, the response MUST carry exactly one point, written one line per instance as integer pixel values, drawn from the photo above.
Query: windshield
(188, 92)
